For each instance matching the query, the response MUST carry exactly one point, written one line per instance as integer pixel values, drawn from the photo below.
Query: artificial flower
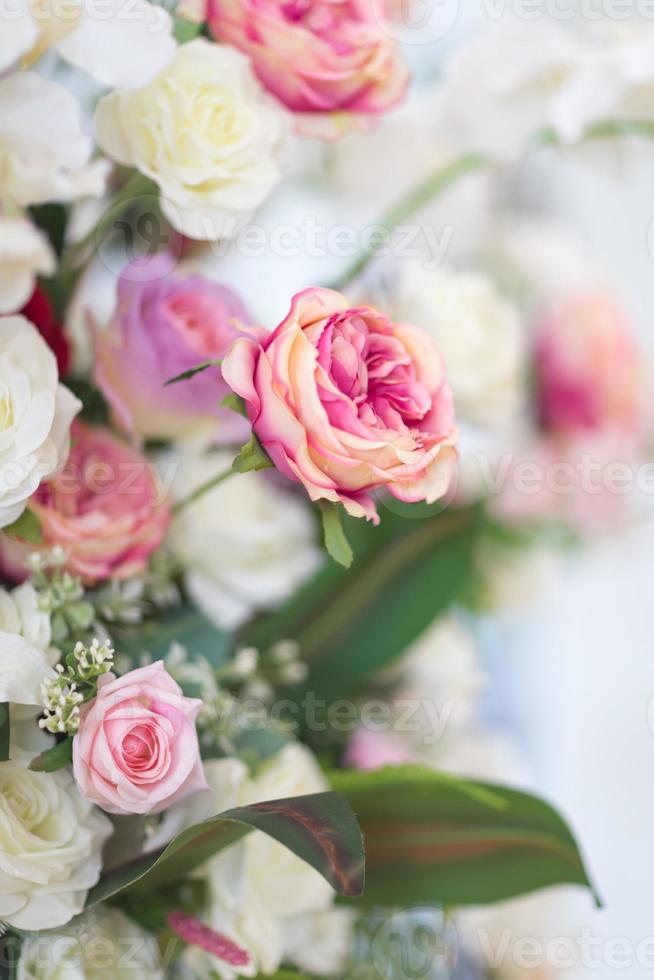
(51, 841)
(36, 413)
(479, 333)
(24, 254)
(137, 749)
(164, 325)
(589, 376)
(345, 401)
(246, 902)
(98, 945)
(106, 508)
(205, 131)
(332, 62)
(44, 153)
(244, 546)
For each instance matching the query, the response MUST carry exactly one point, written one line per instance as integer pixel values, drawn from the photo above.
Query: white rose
(479, 332)
(51, 841)
(257, 887)
(245, 545)
(99, 945)
(24, 253)
(123, 48)
(44, 155)
(35, 415)
(205, 131)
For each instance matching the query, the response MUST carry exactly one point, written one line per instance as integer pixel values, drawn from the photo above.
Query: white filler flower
(205, 131)
(35, 415)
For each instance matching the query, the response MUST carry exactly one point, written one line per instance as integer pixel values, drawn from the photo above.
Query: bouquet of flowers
(241, 550)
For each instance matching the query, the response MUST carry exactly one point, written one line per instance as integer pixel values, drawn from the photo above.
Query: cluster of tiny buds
(94, 660)
(61, 702)
(39, 561)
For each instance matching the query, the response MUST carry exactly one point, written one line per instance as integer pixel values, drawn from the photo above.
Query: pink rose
(345, 401)
(329, 60)
(162, 325)
(368, 750)
(106, 508)
(588, 373)
(137, 749)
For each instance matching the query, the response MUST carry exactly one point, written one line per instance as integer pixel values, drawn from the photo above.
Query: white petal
(23, 669)
(18, 32)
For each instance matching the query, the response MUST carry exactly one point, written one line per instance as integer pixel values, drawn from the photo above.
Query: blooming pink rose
(345, 401)
(329, 60)
(163, 325)
(106, 508)
(136, 750)
(588, 372)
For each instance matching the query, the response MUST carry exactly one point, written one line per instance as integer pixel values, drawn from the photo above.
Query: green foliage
(321, 829)
(336, 543)
(191, 372)
(5, 732)
(27, 528)
(251, 457)
(433, 838)
(57, 757)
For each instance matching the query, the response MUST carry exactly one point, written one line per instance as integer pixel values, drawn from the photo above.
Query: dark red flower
(40, 311)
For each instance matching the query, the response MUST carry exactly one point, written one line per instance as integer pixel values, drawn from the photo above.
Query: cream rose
(100, 944)
(244, 546)
(51, 841)
(479, 333)
(205, 131)
(24, 253)
(44, 154)
(35, 415)
(247, 902)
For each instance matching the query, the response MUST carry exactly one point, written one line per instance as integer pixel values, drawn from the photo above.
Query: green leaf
(336, 543)
(187, 375)
(251, 457)
(5, 732)
(321, 829)
(433, 838)
(235, 403)
(186, 30)
(351, 623)
(57, 757)
(27, 527)
(183, 624)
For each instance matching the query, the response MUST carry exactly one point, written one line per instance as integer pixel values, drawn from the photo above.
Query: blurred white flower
(20, 613)
(479, 332)
(205, 131)
(44, 155)
(245, 545)
(247, 904)
(101, 943)
(319, 942)
(120, 43)
(25, 253)
(35, 415)
(51, 842)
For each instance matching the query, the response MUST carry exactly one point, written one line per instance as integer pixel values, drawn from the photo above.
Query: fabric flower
(124, 47)
(106, 509)
(162, 326)
(246, 545)
(24, 254)
(51, 842)
(137, 749)
(40, 311)
(588, 370)
(44, 155)
(332, 62)
(345, 401)
(35, 415)
(246, 902)
(479, 333)
(205, 132)
(100, 944)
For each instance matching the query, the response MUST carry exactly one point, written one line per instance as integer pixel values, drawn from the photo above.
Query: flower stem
(417, 197)
(200, 491)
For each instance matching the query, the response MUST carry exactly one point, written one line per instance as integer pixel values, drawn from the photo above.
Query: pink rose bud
(331, 61)
(345, 401)
(137, 749)
(106, 508)
(163, 325)
(588, 372)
